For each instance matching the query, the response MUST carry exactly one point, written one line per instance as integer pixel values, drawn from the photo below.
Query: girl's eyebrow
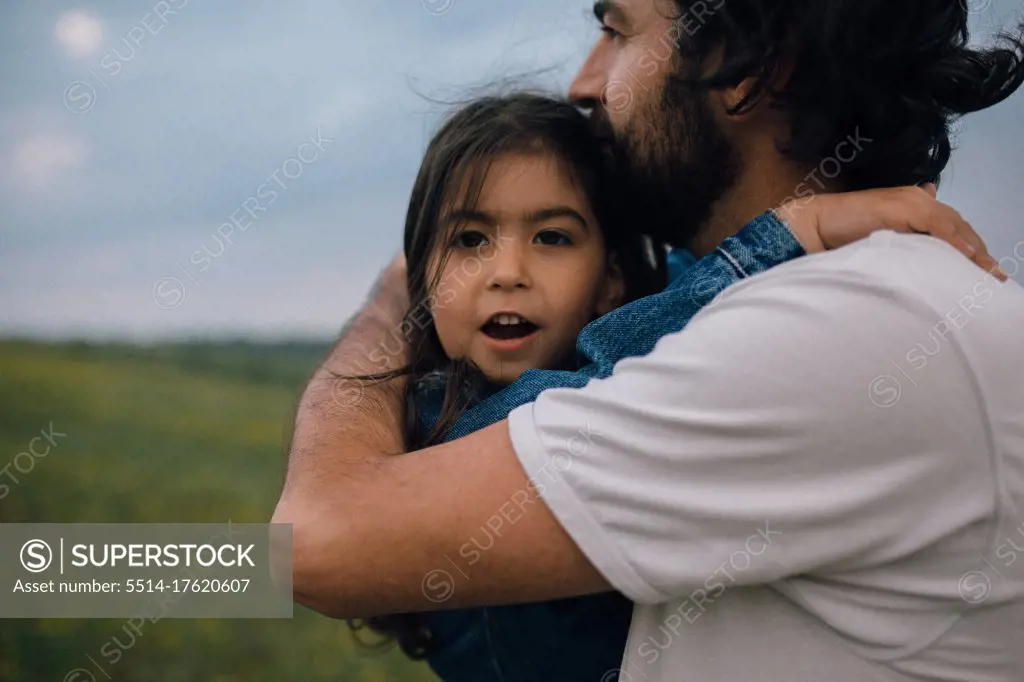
(470, 216)
(538, 216)
(557, 212)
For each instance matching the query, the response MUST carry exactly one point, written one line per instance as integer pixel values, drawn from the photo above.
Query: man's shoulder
(894, 271)
(866, 311)
(888, 256)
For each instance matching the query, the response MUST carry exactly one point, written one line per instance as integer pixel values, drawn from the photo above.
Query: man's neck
(761, 186)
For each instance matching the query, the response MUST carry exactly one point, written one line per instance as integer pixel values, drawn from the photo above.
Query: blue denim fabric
(678, 261)
(581, 639)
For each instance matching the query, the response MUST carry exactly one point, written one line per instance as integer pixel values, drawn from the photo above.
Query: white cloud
(78, 33)
(39, 160)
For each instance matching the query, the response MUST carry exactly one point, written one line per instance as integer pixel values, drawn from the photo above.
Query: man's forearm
(344, 428)
(340, 419)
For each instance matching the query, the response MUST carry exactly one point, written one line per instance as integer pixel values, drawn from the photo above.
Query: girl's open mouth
(508, 326)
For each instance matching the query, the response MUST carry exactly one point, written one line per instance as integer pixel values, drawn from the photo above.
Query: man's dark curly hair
(896, 72)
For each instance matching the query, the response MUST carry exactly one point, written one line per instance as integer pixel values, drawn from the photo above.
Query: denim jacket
(582, 639)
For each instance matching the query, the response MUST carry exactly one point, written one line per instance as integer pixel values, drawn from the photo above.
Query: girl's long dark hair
(453, 171)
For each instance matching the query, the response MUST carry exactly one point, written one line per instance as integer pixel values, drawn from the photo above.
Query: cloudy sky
(132, 131)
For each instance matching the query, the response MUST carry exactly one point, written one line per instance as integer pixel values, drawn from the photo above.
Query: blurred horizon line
(215, 337)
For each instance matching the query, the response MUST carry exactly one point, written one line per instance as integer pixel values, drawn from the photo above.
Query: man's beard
(672, 164)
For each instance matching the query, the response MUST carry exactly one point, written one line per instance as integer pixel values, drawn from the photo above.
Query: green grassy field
(186, 433)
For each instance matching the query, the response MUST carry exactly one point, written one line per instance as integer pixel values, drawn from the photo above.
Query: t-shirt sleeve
(762, 441)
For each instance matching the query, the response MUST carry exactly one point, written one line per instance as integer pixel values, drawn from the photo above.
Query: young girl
(514, 242)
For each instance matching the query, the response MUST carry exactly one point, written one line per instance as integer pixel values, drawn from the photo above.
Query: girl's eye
(552, 238)
(469, 239)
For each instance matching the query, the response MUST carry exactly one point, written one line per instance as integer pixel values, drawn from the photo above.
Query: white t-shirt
(821, 479)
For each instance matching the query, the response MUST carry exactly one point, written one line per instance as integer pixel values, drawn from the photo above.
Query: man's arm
(344, 428)
(753, 431)
(380, 533)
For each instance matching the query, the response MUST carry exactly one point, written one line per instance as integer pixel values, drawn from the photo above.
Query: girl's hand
(829, 221)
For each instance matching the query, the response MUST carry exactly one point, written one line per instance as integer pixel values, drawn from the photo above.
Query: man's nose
(510, 268)
(587, 87)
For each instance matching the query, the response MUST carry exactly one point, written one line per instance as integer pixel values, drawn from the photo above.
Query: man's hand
(391, 293)
(372, 349)
(830, 221)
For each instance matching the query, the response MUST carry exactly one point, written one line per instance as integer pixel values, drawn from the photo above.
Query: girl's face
(527, 270)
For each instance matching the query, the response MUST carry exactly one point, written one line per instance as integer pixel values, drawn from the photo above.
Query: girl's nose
(509, 269)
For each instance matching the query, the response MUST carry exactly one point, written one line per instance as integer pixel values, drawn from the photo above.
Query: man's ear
(731, 97)
(613, 290)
